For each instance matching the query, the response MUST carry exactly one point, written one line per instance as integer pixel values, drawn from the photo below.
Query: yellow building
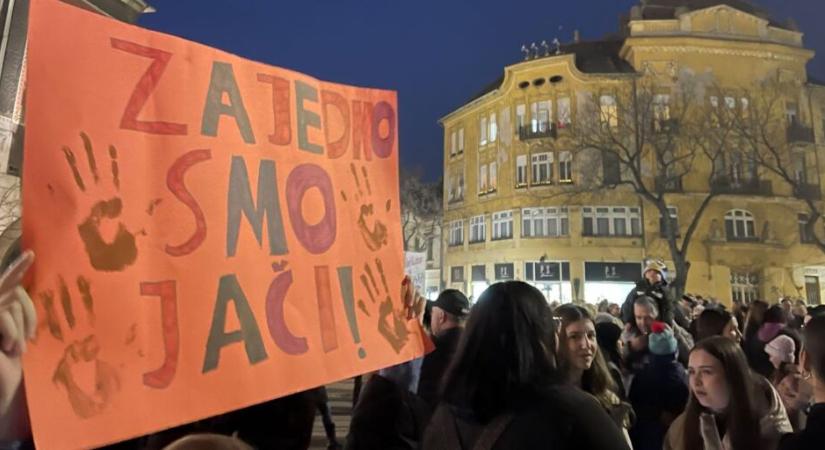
(506, 154)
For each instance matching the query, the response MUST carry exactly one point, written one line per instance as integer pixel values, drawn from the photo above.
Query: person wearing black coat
(447, 316)
(395, 404)
(654, 285)
(659, 392)
(812, 361)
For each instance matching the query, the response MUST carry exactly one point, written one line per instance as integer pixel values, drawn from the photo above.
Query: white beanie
(782, 348)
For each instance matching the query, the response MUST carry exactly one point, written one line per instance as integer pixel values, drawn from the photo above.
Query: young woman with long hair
(503, 389)
(717, 322)
(583, 365)
(812, 362)
(728, 403)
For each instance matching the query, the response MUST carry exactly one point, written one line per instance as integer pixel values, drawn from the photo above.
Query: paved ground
(340, 403)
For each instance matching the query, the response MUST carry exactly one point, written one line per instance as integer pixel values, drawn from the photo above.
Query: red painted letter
(174, 181)
(280, 109)
(144, 88)
(166, 290)
(331, 99)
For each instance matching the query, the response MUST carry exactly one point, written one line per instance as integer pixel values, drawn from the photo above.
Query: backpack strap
(493, 431)
(446, 427)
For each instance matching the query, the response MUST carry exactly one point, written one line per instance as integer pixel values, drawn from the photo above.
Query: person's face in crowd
(653, 276)
(697, 311)
(581, 343)
(644, 318)
(807, 319)
(707, 381)
(800, 310)
(786, 305)
(437, 320)
(731, 330)
(614, 310)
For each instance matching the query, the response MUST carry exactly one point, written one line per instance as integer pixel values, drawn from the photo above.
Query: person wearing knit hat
(659, 391)
(661, 341)
(781, 350)
(655, 266)
(654, 285)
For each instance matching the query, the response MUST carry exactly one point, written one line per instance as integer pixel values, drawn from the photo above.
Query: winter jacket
(387, 417)
(658, 395)
(660, 292)
(812, 437)
(562, 418)
(435, 365)
(772, 425)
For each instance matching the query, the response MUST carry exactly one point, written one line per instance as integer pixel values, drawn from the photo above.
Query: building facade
(507, 155)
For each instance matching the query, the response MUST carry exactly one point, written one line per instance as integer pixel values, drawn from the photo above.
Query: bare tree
(421, 208)
(779, 140)
(644, 137)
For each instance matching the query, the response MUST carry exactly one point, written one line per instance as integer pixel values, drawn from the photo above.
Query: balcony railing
(669, 184)
(665, 126)
(755, 186)
(799, 133)
(808, 191)
(543, 130)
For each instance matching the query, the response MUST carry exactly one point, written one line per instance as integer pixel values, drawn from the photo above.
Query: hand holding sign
(18, 319)
(270, 268)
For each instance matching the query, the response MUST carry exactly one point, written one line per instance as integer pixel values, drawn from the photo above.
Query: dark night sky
(436, 54)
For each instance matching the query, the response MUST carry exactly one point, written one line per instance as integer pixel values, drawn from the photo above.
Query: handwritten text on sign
(211, 232)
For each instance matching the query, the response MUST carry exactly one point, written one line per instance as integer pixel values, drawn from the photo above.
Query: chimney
(576, 36)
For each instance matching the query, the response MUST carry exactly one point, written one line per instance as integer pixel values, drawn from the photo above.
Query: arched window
(739, 225)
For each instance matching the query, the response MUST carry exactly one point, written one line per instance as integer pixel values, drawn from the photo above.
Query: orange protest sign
(210, 232)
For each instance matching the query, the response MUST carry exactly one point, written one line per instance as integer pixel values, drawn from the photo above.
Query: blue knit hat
(661, 340)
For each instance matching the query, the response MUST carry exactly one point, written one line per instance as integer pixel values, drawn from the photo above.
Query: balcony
(808, 191)
(665, 126)
(755, 186)
(669, 184)
(543, 131)
(798, 133)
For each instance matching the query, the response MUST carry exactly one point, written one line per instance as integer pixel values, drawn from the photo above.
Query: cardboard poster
(210, 232)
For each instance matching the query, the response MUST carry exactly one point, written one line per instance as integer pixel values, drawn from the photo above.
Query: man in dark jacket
(448, 314)
(392, 412)
(654, 285)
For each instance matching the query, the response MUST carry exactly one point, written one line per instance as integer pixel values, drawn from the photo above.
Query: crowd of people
(514, 372)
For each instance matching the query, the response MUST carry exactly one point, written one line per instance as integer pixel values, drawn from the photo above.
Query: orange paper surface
(210, 232)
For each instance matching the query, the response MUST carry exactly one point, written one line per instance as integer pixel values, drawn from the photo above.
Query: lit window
(608, 111)
(456, 232)
(564, 112)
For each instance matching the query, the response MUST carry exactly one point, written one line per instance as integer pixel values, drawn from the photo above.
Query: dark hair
(596, 380)
(814, 346)
(506, 356)
(649, 303)
(818, 310)
(756, 316)
(746, 390)
(208, 441)
(776, 314)
(712, 322)
(608, 335)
